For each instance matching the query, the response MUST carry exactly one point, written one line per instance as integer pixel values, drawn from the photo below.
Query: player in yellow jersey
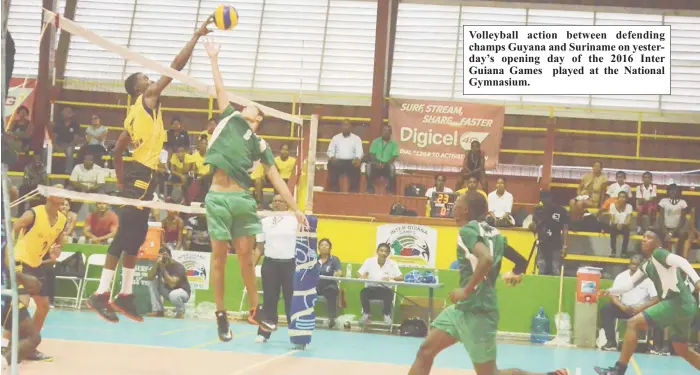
(40, 240)
(137, 180)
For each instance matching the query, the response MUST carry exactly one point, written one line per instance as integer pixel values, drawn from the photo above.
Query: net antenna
(313, 139)
(76, 29)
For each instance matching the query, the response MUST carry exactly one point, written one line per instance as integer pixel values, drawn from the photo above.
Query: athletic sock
(127, 280)
(621, 367)
(105, 281)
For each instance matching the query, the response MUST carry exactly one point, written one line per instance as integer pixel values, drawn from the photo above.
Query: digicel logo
(424, 139)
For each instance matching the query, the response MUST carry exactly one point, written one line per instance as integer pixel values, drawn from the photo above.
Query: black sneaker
(124, 303)
(39, 356)
(609, 347)
(607, 371)
(268, 326)
(225, 333)
(100, 303)
(331, 323)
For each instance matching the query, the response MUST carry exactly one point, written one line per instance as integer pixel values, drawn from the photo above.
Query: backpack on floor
(413, 327)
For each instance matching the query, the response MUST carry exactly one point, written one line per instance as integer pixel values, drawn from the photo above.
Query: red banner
(439, 132)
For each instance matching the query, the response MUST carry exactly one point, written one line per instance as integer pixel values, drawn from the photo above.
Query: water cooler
(586, 309)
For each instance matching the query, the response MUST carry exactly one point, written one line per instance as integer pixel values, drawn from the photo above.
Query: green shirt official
(383, 150)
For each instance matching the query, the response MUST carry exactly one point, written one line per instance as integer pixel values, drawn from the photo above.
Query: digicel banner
(439, 133)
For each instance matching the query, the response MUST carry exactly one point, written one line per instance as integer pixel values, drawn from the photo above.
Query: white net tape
(195, 208)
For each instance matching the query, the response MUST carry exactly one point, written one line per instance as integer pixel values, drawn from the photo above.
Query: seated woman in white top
(500, 206)
(379, 268)
(672, 216)
(620, 221)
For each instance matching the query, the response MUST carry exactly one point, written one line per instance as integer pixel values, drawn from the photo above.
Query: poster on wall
(197, 264)
(411, 245)
(439, 132)
(19, 93)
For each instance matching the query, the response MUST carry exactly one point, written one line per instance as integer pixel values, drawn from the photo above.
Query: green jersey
(384, 151)
(668, 280)
(234, 148)
(484, 296)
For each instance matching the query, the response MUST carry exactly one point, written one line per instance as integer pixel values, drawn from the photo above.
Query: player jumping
(473, 319)
(231, 209)
(675, 311)
(137, 180)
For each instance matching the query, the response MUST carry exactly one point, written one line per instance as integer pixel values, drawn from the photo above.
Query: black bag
(414, 190)
(413, 327)
(73, 266)
(397, 209)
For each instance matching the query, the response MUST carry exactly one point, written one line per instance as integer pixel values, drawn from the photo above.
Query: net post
(6, 217)
(311, 163)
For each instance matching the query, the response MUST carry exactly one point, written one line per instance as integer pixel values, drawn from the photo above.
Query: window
(291, 45)
(685, 65)
(348, 53)
(110, 19)
(425, 50)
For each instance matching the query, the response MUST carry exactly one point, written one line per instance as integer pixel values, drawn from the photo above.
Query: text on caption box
(567, 60)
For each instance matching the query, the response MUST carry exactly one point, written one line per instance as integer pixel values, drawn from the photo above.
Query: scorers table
(431, 288)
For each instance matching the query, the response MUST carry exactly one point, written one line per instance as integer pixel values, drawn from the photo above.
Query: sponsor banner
(411, 245)
(439, 132)
(18, 95)
(198, 266)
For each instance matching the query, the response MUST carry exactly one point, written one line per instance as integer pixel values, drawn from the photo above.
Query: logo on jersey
(411, 245)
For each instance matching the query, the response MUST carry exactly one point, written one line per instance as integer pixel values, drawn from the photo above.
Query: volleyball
(225, 17)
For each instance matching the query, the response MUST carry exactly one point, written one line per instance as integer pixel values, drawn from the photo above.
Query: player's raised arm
(213, 49)
(156, 88)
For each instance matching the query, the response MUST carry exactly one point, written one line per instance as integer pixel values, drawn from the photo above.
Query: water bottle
(539, 330)
(348, 270)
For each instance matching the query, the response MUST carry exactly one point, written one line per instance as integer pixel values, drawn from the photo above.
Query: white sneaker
(260, 340)
(364, 319)
(387, 320)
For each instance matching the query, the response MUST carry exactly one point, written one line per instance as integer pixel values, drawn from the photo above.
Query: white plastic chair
(94, 260)
(77, 281)
(258, 275)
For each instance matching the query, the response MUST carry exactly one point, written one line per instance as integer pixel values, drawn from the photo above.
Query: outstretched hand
(302, 220)
(211, 47)
(204, 29)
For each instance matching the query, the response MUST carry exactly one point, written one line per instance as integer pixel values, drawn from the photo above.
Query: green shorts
(475, 330)
(676, 314)
(231, 215)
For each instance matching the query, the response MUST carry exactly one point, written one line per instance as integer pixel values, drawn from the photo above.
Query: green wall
(518, 304)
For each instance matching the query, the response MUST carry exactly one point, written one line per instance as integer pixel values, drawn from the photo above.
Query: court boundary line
(172, 331)
(265, 362)
(635, 365)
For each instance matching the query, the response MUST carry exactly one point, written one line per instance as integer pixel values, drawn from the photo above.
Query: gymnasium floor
(82, 343)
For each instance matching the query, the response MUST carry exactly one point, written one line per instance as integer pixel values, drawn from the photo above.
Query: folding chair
(95, 260)
(381, 323)
(641, 339)
(258, 274)
(77, 281)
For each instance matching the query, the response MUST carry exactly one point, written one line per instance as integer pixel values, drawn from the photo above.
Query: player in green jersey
(473, 319)
(231, 210)
(675, 311)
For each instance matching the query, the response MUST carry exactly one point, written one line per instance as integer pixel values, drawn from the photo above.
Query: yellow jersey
(180, 166)
(38, 238)
(198, 160)
(285, 167)
(145, 127)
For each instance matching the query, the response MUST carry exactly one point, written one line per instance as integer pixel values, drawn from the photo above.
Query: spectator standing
(383, 152)
(646, 201)
(21, 130)
(474, 166)
(345, 155)
(95, 137)
(628, 304)
(34, 175)
(379, 268)
(100, 226)
(590, 188)
(67, 136)
(87, 177)
(177, 136)
(330, 266)
(551, 223)
(672, 216)
(620, 223)
(501, 205)
(277, 243)
(615, 188)
(472, 185)
(168, 280)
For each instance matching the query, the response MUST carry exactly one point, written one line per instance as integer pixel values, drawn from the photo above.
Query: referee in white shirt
(344, 158)
(628, 304)
(278, 244)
